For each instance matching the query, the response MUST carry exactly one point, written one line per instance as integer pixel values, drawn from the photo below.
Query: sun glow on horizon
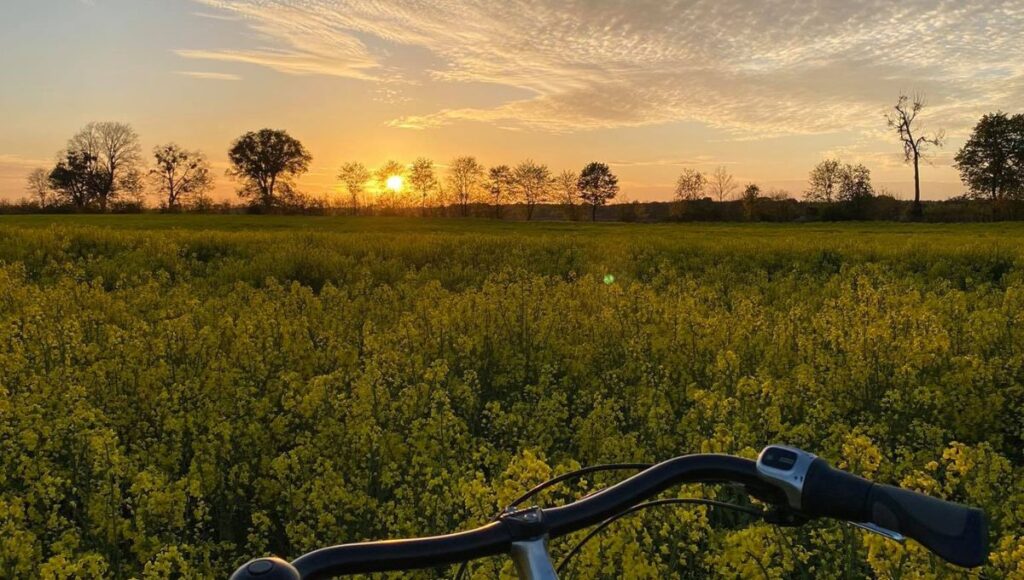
(394, 183)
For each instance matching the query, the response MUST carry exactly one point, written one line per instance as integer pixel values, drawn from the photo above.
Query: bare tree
(597, 185)
(465, 175)
(423, 181)
(691, 185)
(117, 159)
(179, 175)
(533, 184)
(500, 185)
(904, 121)
(37, 185)
(354, 176)
(568, 188)
(389, 180)
(720, 184)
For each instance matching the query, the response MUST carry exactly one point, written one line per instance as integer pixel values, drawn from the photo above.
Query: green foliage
(991, 162)
(174, 402)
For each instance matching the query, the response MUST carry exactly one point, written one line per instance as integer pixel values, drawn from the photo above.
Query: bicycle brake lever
(885, 533)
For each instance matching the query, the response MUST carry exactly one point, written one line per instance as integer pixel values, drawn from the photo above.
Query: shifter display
(779, 458)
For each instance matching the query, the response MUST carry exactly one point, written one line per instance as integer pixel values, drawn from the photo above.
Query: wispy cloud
(216, 16)
(745, 66)
(10, 160)
(210, 76)
(696, 161)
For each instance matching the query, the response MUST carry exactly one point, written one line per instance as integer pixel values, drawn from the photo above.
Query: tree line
(102, 166)
(102, 169)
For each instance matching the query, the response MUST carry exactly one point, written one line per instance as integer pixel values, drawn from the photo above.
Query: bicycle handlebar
(497, 537)
(956, 533)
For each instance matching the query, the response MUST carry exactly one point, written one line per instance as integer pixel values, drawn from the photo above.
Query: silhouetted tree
(991, 162)
(721, 184)
(37, 186)
(751, 194)
(500, 186)
(691, 185)
(904, 121)
(387, 197)
(422, 180)
(76, 179)
(464, 177)
(354, 176)
(533, 184)
(597, 185)
(267, 161)
(823, 182)
(179, 175)
(116, 154)
(855, 184)
(567, 185)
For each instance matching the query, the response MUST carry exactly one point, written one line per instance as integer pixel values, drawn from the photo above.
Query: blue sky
(764, 88)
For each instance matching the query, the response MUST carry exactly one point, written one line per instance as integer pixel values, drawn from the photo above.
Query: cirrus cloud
(750, 67)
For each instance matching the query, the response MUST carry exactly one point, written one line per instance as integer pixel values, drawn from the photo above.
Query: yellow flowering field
(181, 393)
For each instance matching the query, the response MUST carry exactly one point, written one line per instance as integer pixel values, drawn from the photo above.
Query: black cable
(575, 474)
(654, 503)
(460, 573)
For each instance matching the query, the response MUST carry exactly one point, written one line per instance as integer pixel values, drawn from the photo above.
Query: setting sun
(394, 183)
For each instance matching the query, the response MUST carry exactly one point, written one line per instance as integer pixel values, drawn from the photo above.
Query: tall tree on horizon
(533, 184)
(750, 196)
(179, 175)
(991, 162)
(267, 161)
(500, 184)
(721, 184)
(904, 120)
(855, 184)
(116, 160)
(824, 180)
(597, 185)
(353, 176)
(37, 185)
(76, 179)
(423, 180)
(568, 185)
(385, 196)
(691, 185)
(464, 176)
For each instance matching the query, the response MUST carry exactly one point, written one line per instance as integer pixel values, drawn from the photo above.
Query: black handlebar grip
(956, 533)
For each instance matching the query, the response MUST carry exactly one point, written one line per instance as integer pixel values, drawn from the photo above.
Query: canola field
(179, 394)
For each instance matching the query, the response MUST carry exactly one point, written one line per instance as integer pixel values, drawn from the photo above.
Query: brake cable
(654, 503)
(576, 474)
(555, 481)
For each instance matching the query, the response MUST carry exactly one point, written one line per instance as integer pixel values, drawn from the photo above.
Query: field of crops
(180, 393)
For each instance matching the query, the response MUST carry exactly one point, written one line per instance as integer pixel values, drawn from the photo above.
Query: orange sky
(648, 87)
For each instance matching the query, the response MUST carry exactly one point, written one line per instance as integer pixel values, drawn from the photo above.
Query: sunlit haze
(766, 89)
